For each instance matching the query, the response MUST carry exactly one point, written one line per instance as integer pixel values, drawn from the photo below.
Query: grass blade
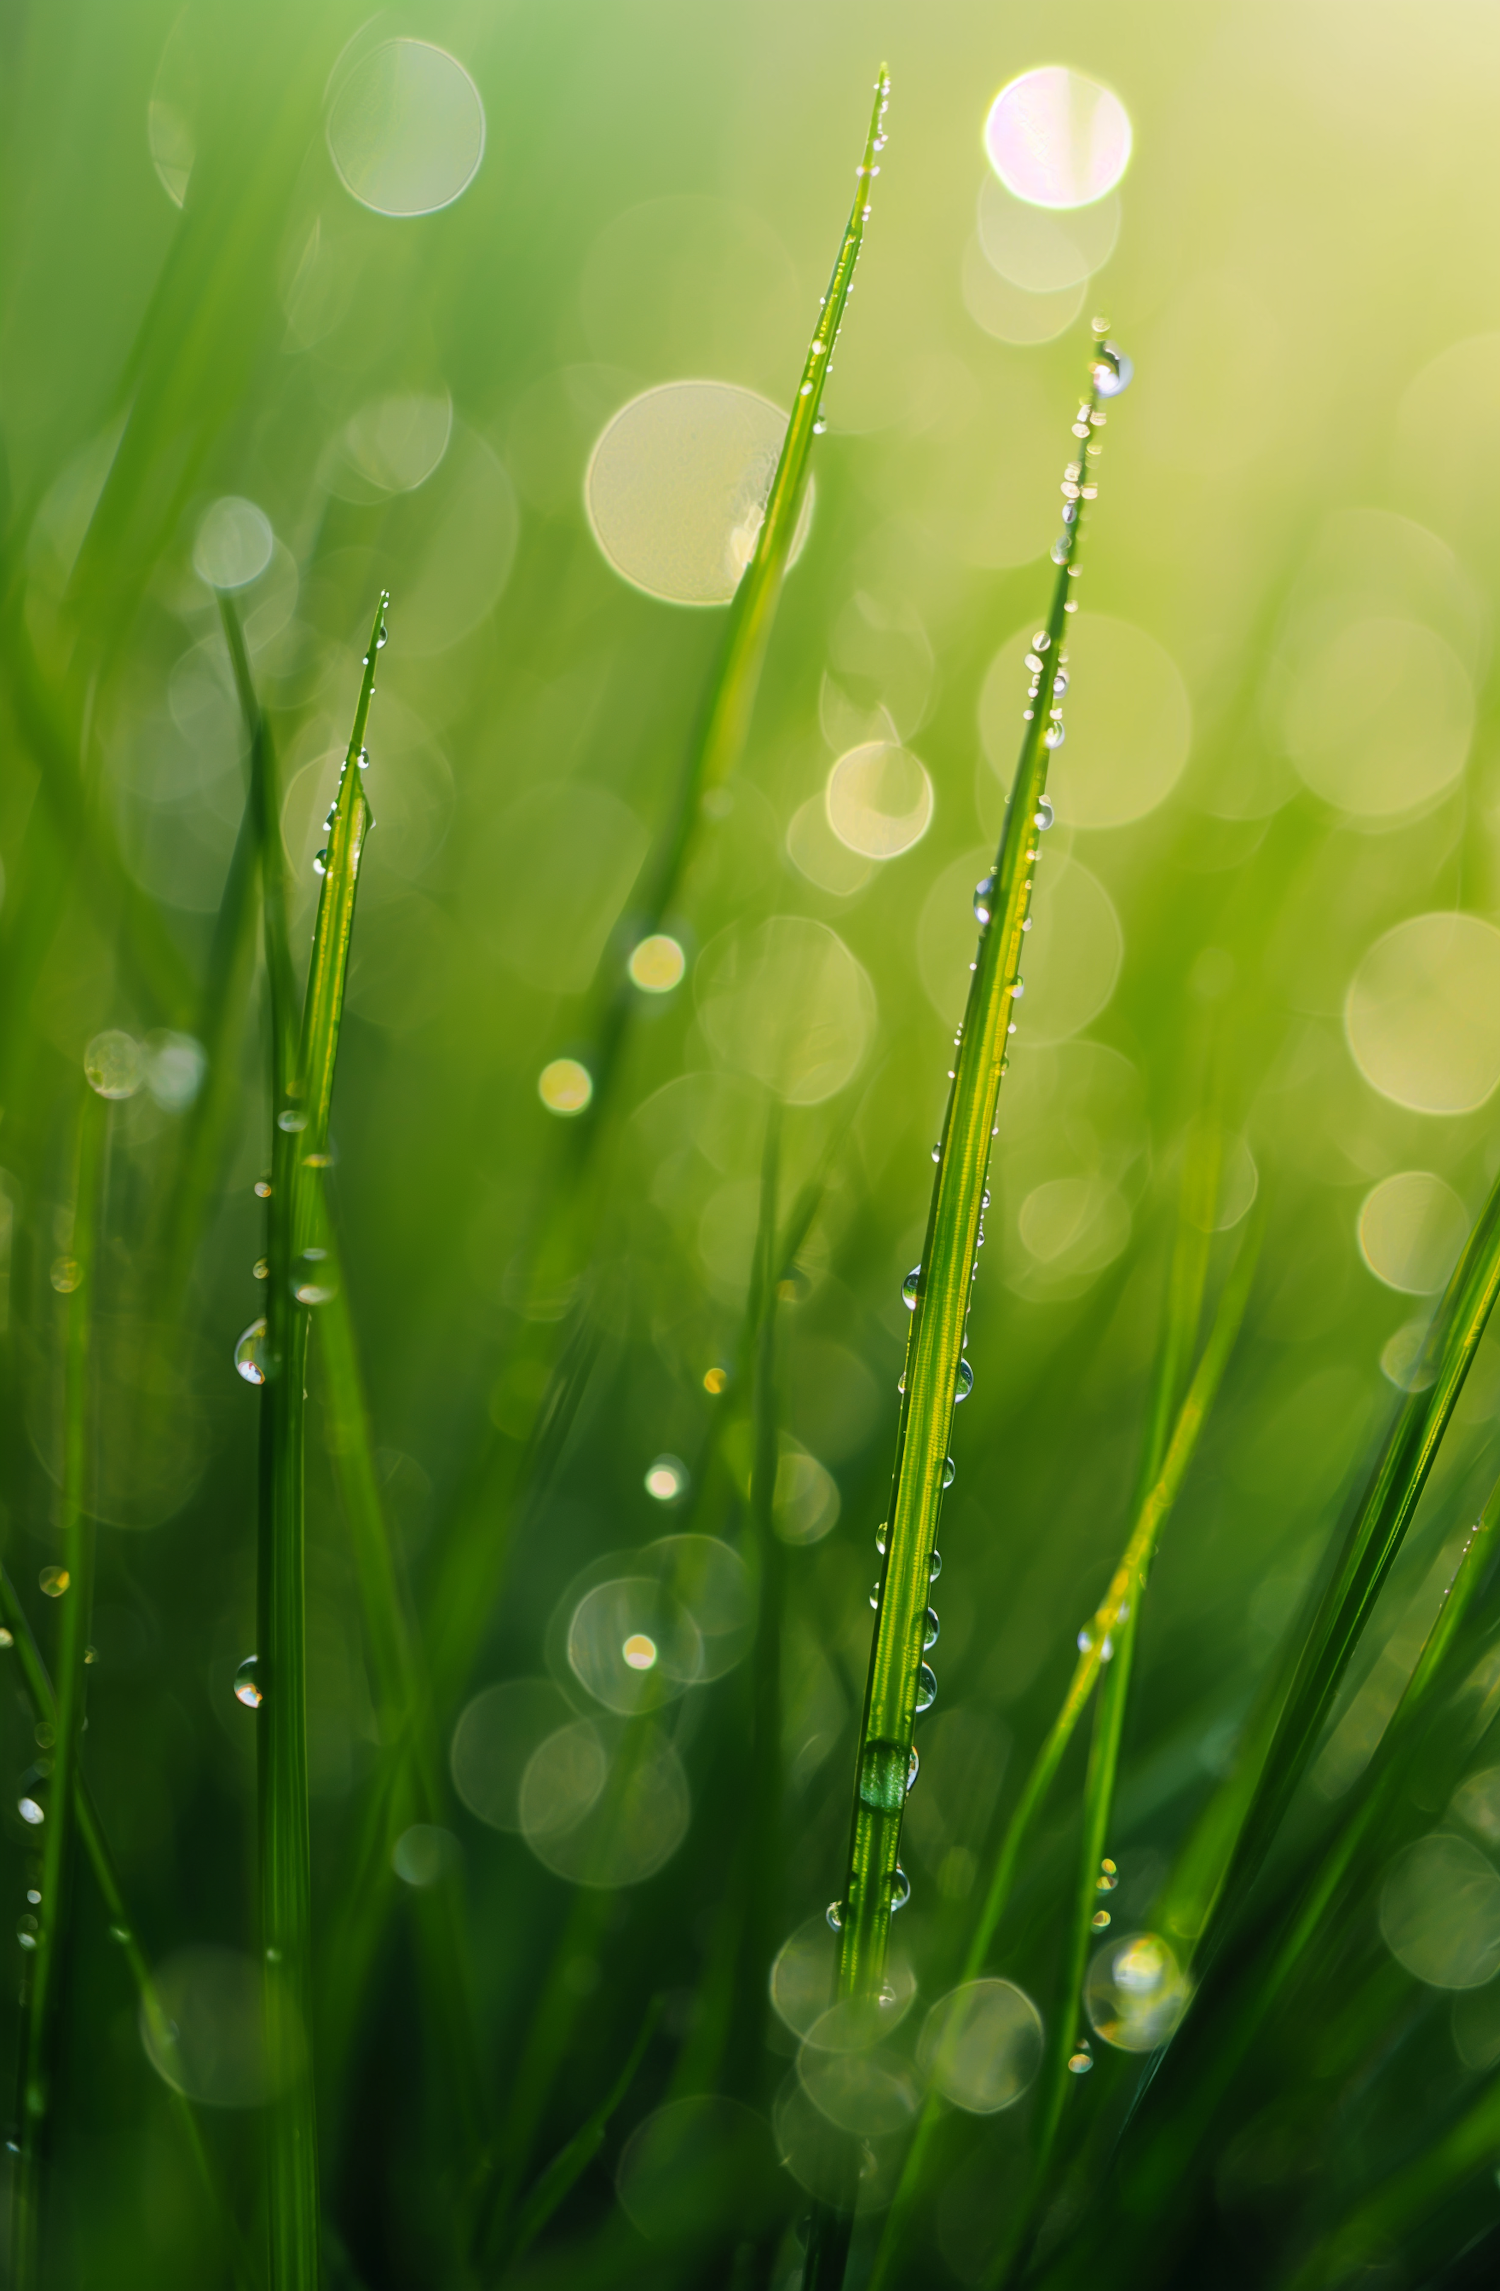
(1123, 1592)
(43, 1700)
(302, 1065)
(39, 2014)
(1236, 1831)
(570, 2163)
(1202, 1160)
(936, 1374)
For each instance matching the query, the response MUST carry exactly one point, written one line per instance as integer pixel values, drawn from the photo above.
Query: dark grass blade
(43, 1971)
(1236, 1832)
(570, 2163)
(40, 1694)
(934, 1350)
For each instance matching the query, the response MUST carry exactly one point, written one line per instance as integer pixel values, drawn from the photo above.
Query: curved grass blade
(40, 2006)
(43, 1700)
(571, 2162)
(936, 1373)
(1236, 1831)
(1099, 1634)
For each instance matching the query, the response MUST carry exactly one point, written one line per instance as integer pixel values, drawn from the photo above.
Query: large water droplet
(313, 1281)
(882, 1776)
(934, 1567)
(930, 1628)
(963, 1383)
(1113, 370)
(900, 1889)
(1054, 736)
(984, 892)
(926, 1687)
(909, 1288)
(835, 1916)
(252, 1353)
(1044, 818)
(292, 1118)
(950, 1471)
(320, 862)
(247, 1688)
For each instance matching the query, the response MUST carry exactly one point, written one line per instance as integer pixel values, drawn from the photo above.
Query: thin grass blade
(570, 2163)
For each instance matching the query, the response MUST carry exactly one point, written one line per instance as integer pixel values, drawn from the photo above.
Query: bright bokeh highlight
(657, 964)
(1411, 1228)
(1423, 1013)
(879, 800)
(565, 1087)
(1057, 139)
(406, 129)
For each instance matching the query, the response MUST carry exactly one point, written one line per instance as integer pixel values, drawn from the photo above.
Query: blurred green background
(1281, 749)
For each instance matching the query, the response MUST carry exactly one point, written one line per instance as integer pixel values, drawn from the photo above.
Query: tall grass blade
(42, 1698)
(1101, 1632)
(302, 1069)
(1201, 1164)
(1240, 1823)
(936, 1373)
(42, 1983)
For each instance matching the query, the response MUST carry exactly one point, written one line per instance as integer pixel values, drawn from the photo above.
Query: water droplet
(247, 1688)
(835, 1915)
(1113, 370)
(1040, 641)
(66, 1275)
(1018, 989)
(875, 1594)
(252, 1353)
(930, 1628)
(1044, 816)
(913, 1767)
(320, 867)
(262, 1268)
(984, 892)
(313, 1281)
(293, 1119)
(382, 637)
(880, 1538)
(900, 1889)
(30, 1811)
(926, 1687)
(1085, 1641)
(963, 1383)
(820, 427)
(363, 759)
(1060, 549)
(937, 1151)
(950, 1471)
(1108, 1878)
(1099, 1920)
(1079, 2063)
(54, 1581)
(909, 1288)
(883, 1776)
(1054, 736)
(26, 1931)
(262, 1189)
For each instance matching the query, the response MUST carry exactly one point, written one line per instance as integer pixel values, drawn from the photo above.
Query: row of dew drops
(1112, 373)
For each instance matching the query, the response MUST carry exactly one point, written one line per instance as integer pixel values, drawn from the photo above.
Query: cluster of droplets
(825, 342)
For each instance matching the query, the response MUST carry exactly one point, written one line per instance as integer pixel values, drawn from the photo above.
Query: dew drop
(1079, 2063)
(875, 1594)
(1060, 549)
(900, 1889)
(937, 1151)
(363, 759)
(1040, 641)
(1045, 815)
(930, 1628)
(909, 1288)
(66, 1275)
(247, 1688)
(1054, 736)
(313, 1281)
(913, 1767)
(880, 1538)
(382, 638)
(984, 892)
(934, 1567)
(30, 1812)
(252, 1352)
(292, 1119)
(261, 1269)
(926, 1687)
(835, 1915)
(964, 1382)
(320, 865)
(1113, 370)
(950, 1471)
(262, 1189)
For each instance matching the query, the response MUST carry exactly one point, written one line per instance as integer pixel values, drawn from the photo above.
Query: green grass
(1240, 1448)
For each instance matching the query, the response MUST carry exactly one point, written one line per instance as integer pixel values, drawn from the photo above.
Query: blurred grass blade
(936, 1373)
(1235, 1833)
(302, 1091)
(1198, 1192)
(43, 1700)
(1099, 1634)
(570, 2163)
(42, 1980)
